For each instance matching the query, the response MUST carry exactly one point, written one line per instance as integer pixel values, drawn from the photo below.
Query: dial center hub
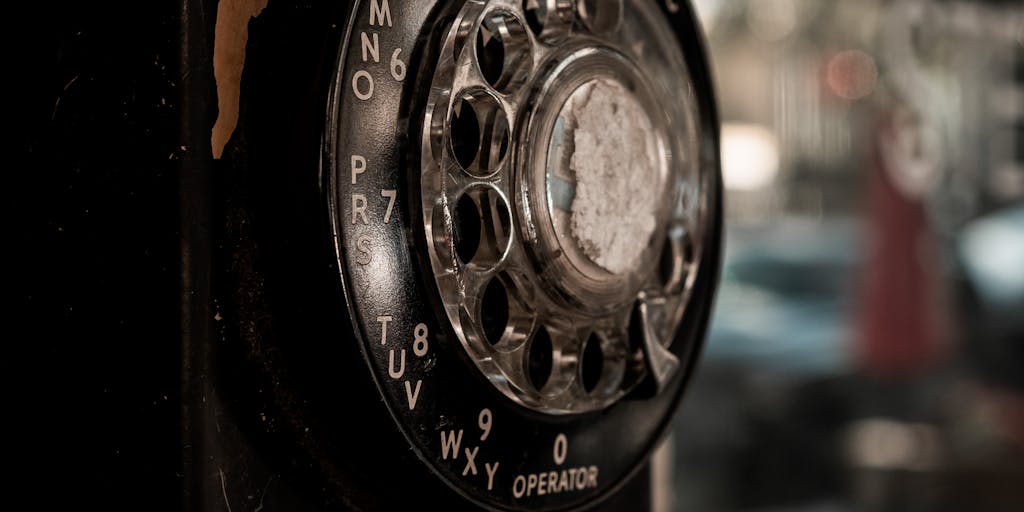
(595, 184)
(602, 175)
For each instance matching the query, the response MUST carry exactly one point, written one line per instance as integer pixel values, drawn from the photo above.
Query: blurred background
(867, 349)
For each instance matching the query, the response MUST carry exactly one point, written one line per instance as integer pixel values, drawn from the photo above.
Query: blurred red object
(901, 328)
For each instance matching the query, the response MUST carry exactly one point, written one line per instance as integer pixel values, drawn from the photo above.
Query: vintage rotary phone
(428, 254)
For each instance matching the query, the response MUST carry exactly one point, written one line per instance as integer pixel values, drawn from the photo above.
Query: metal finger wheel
(564, 199)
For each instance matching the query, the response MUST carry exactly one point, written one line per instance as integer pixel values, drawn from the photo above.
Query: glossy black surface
(92, 351)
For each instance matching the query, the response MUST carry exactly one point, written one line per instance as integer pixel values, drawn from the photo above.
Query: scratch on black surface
(224, 488)
(264, 494)
(57, 103)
